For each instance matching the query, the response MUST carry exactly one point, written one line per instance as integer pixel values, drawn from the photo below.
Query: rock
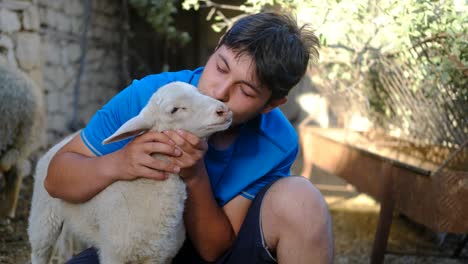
(29, 50)
(9, 21)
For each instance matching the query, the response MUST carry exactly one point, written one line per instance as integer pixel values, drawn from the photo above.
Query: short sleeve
(109, 118)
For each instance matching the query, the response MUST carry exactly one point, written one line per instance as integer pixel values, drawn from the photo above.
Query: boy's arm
(211, 229)
(76, 175)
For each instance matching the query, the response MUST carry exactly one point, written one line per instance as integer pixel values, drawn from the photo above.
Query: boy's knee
(295, 196)
(295, 205)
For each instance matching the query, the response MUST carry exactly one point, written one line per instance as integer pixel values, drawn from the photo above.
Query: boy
(241, 206)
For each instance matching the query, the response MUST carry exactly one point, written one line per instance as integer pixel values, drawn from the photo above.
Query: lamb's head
(177, 105)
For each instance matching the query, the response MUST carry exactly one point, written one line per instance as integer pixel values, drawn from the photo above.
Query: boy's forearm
(208, 226)
(77, 178)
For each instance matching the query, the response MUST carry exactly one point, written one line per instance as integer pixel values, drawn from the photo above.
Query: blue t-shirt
(264, 150)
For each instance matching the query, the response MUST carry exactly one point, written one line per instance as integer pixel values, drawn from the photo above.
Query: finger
(174, 136)
(195, 141)
(191, 138)
(203, 145)
(152, 174)
(161, 148)
(180, 162)
(194, 145)
(151, 136)
(161, 165)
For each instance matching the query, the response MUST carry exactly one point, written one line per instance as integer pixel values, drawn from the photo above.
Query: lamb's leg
(107, 255)
(45, 224)
(157, 261)
(41, 256)
(9, 199)
(43, 239)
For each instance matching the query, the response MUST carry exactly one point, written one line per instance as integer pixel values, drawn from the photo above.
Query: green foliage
(393, 53)
(159, 14)
(405, 57)
(221, 22)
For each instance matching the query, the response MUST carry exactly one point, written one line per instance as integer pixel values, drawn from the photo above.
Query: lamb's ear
(132, 127)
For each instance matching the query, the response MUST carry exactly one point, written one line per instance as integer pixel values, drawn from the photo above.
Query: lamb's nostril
(222, 111)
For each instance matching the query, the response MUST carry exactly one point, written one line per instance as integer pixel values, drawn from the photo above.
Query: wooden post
(387, 203)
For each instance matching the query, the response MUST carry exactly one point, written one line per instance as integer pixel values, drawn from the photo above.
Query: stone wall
(19, 37)
(62, 25)
(43, 37)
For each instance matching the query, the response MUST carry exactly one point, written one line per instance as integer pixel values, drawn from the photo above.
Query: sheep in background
(22, 123)
(138, 221)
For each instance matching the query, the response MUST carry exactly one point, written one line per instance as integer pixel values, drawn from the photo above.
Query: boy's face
(233, 81)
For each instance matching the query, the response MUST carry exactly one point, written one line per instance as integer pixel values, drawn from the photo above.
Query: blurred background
(391, 80)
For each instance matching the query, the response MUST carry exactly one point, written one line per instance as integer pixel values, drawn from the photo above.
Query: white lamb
(130, 222)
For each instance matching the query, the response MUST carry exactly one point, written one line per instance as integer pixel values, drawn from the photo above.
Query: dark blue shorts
(249, 246)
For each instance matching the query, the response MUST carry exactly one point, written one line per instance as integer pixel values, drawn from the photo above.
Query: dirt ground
(14, 245)
(354, 219)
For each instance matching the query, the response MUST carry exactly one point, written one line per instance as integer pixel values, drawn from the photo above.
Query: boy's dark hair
(278, 47)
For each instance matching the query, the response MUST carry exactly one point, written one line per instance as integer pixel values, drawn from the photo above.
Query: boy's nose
(222, 93)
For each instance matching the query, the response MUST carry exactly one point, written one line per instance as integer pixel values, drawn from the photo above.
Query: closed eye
(175, 109)
(246, 91)
(221, 70)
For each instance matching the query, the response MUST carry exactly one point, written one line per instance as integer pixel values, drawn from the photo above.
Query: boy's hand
(193, 149)
(135, 161)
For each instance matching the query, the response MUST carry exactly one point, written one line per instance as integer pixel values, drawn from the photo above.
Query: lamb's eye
(175, 109)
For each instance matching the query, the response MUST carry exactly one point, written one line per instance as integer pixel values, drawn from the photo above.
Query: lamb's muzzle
(223, 111)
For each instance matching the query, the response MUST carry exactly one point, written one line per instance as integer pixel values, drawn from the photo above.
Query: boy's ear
(274, 103)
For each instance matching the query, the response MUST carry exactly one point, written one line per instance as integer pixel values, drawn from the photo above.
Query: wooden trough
(398, 181)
